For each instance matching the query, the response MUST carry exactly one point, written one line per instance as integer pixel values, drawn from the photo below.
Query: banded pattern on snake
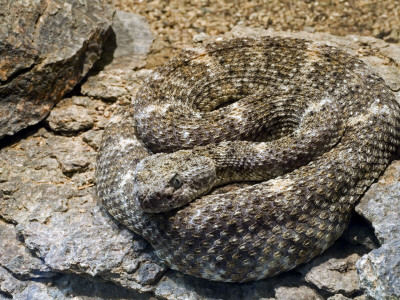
(307, 126)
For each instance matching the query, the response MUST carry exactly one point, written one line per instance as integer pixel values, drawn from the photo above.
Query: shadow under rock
(10, 140)
(262, 289)
(107, 54)
(77, 286)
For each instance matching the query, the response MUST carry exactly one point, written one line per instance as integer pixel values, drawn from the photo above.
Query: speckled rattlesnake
(324, 126)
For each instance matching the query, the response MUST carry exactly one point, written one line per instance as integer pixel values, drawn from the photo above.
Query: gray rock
(73, 156)
(62, 287)
(77, 287)
(128, 44)
(68, 117)
(148, 273)
(362, 297)
(339, 297)
(381, 204)
(15, 257)
(334, 271)
(133, 35)
(17, 289)
(93, 138)
(200, 37)
(60, 222)
(125, 51)
(110, 85)
(379, 271)
(295, 293)
(45, 54)
(393, 37)
(336, 275)
(174, 285)
(309, 29)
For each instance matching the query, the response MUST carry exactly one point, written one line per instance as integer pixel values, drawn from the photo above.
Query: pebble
(178, 22)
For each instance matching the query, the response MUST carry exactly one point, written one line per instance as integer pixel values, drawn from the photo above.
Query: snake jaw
(164, 181)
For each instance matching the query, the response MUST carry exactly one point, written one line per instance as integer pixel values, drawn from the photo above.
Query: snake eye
(176, 181)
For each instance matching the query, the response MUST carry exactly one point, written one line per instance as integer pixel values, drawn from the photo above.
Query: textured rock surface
(379, 271)
(15, 258)
(46, 48)
(62, 287)
(54, 222)
(334, 271)
(125, 51)
(381, 205)
(50, 223)
(133, 39)
(294, 293)
(176, 22)
(335, 275)
(113, 84)
(70, 117)
(129, 42)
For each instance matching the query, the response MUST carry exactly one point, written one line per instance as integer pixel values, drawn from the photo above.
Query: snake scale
(306, 126)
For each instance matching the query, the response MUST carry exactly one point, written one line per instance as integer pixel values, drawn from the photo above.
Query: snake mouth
(151, 204)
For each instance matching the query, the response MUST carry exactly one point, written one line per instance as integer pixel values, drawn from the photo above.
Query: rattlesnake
(324, 125)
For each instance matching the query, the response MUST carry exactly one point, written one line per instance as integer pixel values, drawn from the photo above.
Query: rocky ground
(175, 23)
(56, 241)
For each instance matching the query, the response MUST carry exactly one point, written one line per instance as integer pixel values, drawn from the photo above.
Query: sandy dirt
(175, 23)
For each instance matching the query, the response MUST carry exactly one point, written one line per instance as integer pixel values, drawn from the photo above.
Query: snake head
(166, 181)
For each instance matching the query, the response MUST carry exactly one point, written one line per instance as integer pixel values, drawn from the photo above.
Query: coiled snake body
(307, 125)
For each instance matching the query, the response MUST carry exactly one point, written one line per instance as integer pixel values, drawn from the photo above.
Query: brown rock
(110, 85)
(336, 275)
(69, 117)
(295, 293)
(46, 48)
